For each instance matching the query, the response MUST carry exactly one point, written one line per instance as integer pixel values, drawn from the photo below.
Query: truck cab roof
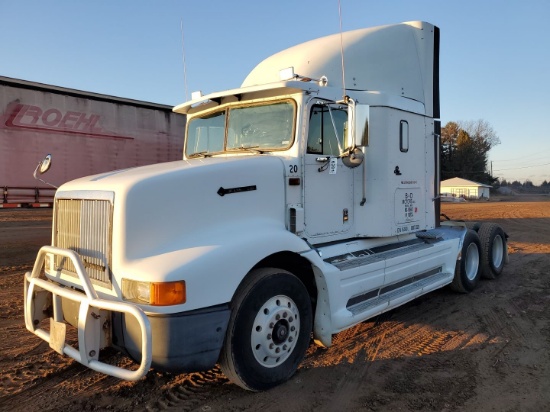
(393, 63)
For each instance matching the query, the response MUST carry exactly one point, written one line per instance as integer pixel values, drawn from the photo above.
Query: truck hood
(170, 206)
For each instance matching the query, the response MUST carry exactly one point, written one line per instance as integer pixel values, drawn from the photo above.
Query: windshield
(265, 127)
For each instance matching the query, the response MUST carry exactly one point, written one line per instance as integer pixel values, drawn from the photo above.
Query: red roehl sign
(24, 116)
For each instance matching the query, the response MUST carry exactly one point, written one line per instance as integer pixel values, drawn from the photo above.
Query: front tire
(468, 268)
(269, 330)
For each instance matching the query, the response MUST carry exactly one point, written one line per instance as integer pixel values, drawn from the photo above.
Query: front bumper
(182, 342)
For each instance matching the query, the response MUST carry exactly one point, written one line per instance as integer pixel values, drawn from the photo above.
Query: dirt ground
(485, 351)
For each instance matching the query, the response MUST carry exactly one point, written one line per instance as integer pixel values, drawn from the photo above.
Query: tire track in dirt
(189, 392)
(389, 347)
(69, 387)
(25, 360)
(397, 358)
(34, 395)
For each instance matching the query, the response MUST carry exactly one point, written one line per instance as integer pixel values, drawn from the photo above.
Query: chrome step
(366, 257)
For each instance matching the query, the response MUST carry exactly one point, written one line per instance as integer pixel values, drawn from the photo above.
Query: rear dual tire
(468, 268)
(493, 250)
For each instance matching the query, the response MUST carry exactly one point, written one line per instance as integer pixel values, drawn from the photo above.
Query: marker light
(154, 293)
(287, 74)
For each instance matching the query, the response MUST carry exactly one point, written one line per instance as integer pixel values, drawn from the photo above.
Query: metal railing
(27, 195)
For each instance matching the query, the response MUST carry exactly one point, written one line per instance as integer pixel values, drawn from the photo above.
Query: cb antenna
(342, 51)
(184, 65)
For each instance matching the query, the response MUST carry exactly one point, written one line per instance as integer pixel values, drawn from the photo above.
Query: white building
(465, 188)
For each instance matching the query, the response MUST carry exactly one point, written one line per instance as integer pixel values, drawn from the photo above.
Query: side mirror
(357, 134)
(361, 124)
(42, 168)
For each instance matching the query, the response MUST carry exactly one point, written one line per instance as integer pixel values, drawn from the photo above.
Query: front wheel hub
(275, 331)
(280, 332)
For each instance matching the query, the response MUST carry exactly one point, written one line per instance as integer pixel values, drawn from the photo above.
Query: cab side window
(322, 136)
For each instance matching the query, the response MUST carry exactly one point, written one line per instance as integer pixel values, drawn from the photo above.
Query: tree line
(464, 150)
(526, 185)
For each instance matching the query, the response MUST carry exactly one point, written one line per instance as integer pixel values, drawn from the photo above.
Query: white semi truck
(306, 202)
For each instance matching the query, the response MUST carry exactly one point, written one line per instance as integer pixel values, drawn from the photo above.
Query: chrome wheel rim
(472, 261)
(275, 331)
(498, 251)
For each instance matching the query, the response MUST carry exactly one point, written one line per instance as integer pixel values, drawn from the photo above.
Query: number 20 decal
(293, 168)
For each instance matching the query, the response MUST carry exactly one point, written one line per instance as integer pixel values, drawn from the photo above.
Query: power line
(522, 157)
(524, 167)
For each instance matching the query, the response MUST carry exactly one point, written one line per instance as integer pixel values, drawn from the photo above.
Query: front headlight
(154, 293)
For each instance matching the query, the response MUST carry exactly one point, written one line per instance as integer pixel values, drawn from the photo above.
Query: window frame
(226, 108)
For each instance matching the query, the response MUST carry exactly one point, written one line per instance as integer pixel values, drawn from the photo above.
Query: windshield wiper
(253, 149)
(200, 154)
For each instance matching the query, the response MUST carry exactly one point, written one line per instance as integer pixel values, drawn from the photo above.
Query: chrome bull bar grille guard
(89, 324)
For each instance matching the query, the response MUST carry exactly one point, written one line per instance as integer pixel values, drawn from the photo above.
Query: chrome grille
(85, 226)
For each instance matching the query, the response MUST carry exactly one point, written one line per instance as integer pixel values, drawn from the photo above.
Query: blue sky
(495, 54)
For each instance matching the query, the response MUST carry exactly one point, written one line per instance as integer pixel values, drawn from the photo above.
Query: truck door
(328, 184)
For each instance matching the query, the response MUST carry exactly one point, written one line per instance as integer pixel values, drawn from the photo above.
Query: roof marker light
(287, 74)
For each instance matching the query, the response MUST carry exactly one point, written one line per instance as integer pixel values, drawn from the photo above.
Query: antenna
(184, 65)
(342, 51)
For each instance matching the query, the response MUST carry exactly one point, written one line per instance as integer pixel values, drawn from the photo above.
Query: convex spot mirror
(42, 168)
(353, 157)
(45, 164)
